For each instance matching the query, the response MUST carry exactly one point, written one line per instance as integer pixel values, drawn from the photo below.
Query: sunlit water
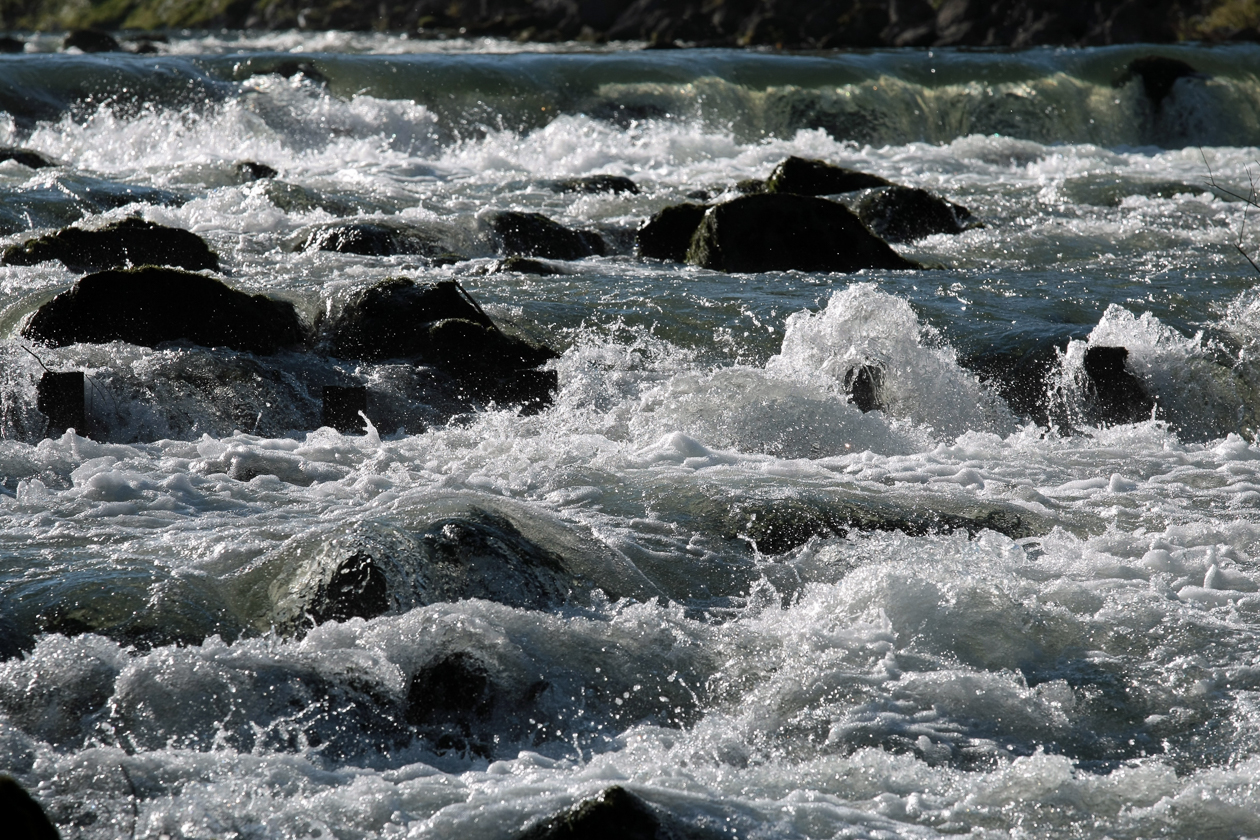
(1091, 673)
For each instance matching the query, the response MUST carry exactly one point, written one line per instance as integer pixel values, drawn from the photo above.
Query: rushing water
(722, 648)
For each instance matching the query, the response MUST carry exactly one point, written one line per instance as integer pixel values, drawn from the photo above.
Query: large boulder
(534, 235)
(667, 235)
(131, 241)
(616, 814)
(148, 306)
(91, 41)
(440, 325)
(903, 214)
(783, 232)
(803, 176)
(389, 320)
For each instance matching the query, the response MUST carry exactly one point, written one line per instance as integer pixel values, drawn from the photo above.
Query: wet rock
(371, 239)
(1114, 395)
(534, 235)
(750, 186)
(248, 170)
(9, 44)
(148, 306)
(902, 214)
(594, 184)
(131, 241)
(26, 157)
(863, 384)
(357, 588)
(815, 177)
(292, 199)
(22, 814)
(782, 232)
(293, 67)
(667, 235)
(91, 41)
(1158, 74)
(455, 703)
(388, 320)
(524, 265)
(781, 525)
(490, 365)
(616, 814)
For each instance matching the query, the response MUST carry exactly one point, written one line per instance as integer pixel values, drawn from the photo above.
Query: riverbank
(788, 24)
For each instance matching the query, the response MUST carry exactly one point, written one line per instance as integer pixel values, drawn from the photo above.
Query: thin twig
(37, 358)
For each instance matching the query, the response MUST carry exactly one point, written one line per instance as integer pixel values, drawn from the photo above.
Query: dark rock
(292, 198)
(484, 555)
(782, 232)
(595, 184)
(388, 320)
(248, 170)
(340, 408)
(145, 48)
(781, 525)
(11, 45)
(447, 258)
(489, 364)
(449, 691)
(1158, 74)
(60, 398)
(616, 814)
(356, 589)
(26, 820)
(902, 214)
(863, 384)
(1114, 395)
(667, 235)
(524, 265)
(750, 186)
(815, 177)
(26, 157)
(131, 241)
(534, 235)
(149, 305)
(91, 41)
(371, 239)
(1018, 367)
(293, 67)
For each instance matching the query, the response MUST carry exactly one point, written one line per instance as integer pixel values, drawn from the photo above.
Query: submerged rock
(782, 232)
(10, 44)
(91, 41)
(1158, 74)
(22, 814)
(524, 265)
(863, 385)
(667, 235)
(781, 525)
(616, 814)
(372, 239)
(131, 241)
(148, 306)
(356, 588)
(803, 176)
(534, 235)
(594, 184)
(1114, 395)
(902, 214)
(27, 157)
(249, 170)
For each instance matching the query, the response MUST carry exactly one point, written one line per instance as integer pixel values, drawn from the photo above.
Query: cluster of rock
(144, 289)
(811, 24)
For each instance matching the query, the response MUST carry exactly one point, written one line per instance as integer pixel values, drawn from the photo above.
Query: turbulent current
(702, 574)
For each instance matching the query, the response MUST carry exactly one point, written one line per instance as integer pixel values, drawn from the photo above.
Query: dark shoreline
(787, 24)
